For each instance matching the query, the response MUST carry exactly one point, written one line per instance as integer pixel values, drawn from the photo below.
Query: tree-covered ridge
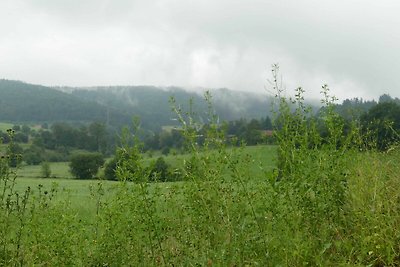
(151, 103)
(148, 103)
(116, 105)
(22, 102)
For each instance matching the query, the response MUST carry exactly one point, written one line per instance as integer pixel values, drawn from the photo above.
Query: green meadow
(4, 126)
(59, 170)
(240, 220)
(78, 192)
(263, 160)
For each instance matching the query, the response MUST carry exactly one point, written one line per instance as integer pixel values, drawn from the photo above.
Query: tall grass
(329, 202)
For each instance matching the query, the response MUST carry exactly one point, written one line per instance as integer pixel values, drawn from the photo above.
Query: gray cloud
(352, 46)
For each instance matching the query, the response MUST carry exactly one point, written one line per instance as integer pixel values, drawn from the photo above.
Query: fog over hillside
(229, 104)
(116, 105)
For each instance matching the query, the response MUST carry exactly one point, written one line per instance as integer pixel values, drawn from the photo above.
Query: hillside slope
(152, 105)
(22, 102)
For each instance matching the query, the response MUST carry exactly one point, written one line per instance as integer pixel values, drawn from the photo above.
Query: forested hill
(116, 105)
(22, 102)
(152, 105)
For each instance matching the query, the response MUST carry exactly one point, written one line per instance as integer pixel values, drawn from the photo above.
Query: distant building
(267, 133)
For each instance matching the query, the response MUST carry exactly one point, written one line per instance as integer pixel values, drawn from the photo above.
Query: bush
(383, 121)
(160, 171)
(45, 169)
(55, 156)
(21, 138)
(110, 169)
(33, 155)
(165, 151)
(86, 165)
(15, 153)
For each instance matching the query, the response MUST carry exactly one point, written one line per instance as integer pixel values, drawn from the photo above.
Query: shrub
(21, 138)
(86, 165)
(383, 121)
(129, 156)
(15, 154)
(33, 155)
(45, 169)
(165, 151)
(55, 156)
(160, 171)
(110, 169)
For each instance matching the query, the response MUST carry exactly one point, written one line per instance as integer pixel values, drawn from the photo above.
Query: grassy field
(262, 157)
(78, 191)
(58, 170)
(247, 220)
(4, 126)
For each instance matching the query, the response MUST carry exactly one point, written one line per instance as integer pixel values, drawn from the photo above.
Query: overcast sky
(353, 46)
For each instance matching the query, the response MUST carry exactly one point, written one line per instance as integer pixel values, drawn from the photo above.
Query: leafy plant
(86, 165)
(110, 169)
(45, 169)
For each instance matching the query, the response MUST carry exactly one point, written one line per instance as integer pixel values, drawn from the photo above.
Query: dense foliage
(86, 165)
(383, 120)
(21, 102)
(41, 143)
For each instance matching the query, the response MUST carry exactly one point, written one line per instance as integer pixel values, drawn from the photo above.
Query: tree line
(379, 120)
(251, 132)
(54, 143)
